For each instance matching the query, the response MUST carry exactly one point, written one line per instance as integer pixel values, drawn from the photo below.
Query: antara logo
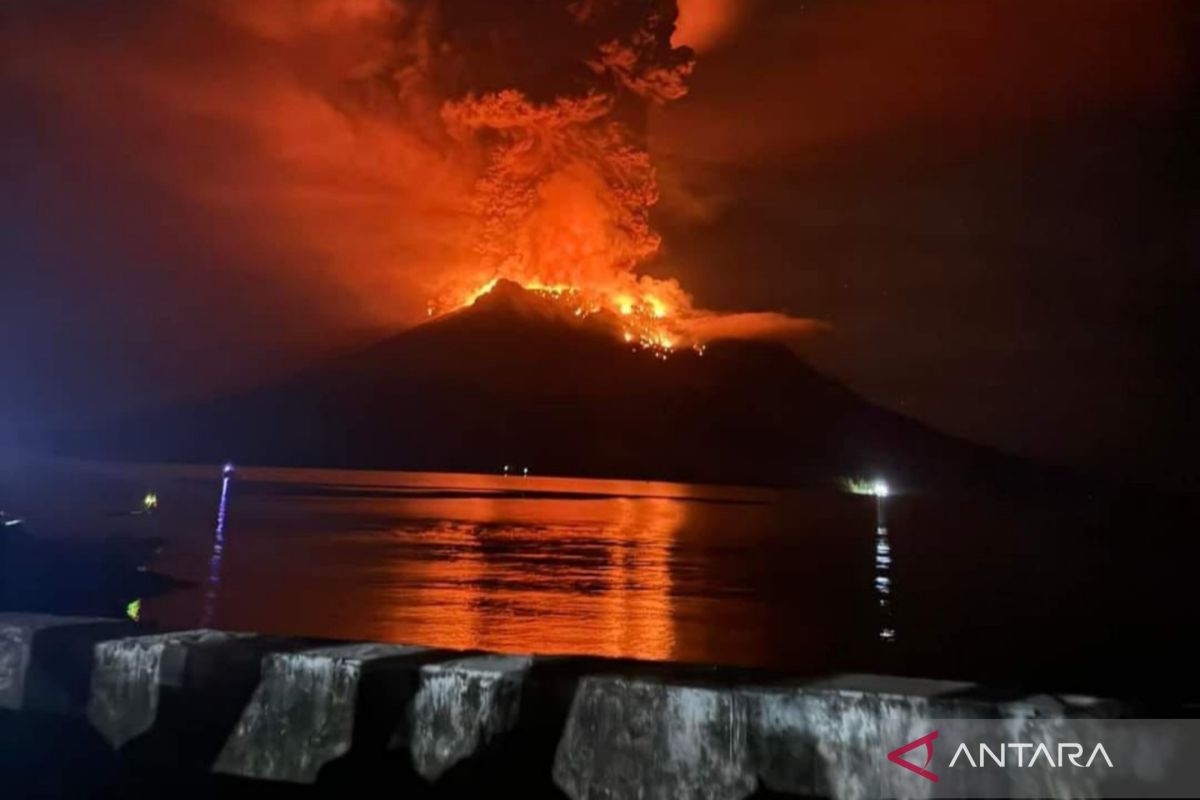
(1068, 753)
(1011, 754)
(926, 740)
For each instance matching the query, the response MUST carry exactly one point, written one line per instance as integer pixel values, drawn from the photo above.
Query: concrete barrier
(822, 738)
(630, 738)
(302, 715)
(45, 660)
(653, 738)
(192, 707)
(129, 677)
(461, 706)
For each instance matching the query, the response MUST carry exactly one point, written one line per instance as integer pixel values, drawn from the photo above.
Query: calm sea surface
(808, 581)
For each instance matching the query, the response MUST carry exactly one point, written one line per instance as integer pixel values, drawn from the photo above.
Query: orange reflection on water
(630, 569)
(519, 575)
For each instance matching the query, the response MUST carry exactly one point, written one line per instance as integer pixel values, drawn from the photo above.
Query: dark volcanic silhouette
(516, 379)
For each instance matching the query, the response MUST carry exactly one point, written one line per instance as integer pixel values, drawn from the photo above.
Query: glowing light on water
(214, 561)
(883, 584)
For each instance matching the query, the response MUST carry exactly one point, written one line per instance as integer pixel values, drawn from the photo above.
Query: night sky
(992, 204)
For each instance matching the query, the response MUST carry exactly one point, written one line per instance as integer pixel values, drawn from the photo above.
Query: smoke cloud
(567, 185)
(297, 144)
(378, 154)
(705, 24)
(206, 192)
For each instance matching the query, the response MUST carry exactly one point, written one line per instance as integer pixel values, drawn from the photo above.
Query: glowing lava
(651, 315)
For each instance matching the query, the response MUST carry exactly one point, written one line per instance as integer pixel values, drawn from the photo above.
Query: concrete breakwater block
(199, 678)
(303, 714)
(46, 660)
(637, 738)
(178, 705)
(830, 738)
(307, 710)
(460, 707)
(631, 738)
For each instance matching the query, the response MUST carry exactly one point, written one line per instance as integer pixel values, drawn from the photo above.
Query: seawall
(90, 706)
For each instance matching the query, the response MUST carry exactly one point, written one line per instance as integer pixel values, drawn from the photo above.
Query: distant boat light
(229, 469)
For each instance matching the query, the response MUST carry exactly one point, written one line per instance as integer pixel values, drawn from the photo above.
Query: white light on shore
(881, 489)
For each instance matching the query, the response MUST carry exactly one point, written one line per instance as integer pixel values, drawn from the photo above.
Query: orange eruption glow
(652, 315)
(562, 202)
(378, 153)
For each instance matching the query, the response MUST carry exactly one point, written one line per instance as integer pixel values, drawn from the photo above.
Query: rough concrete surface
(186, 713)
(44, 662)
(302, 714)
(461, 706)
(129, 675)
(653, 740)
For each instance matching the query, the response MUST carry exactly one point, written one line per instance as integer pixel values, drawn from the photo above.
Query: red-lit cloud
(704, 24)
(801, 82)
(264, 122)
(386, 152)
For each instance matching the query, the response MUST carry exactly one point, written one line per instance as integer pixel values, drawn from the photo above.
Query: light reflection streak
(214, 562)
(883, 583)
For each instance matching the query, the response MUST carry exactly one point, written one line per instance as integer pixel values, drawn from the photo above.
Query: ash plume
(567, 184)
(367, 155)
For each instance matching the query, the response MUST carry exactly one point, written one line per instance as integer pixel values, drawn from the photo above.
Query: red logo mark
(926, 740)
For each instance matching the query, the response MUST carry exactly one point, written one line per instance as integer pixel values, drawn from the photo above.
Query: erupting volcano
(564, 187)
(491, 159)
(393, 159)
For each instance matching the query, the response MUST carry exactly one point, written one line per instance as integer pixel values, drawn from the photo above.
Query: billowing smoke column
(562, 205)
(563, 202)
(538, 110)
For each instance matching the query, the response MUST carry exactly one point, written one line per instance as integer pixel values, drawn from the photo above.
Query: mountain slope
(515, 379)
